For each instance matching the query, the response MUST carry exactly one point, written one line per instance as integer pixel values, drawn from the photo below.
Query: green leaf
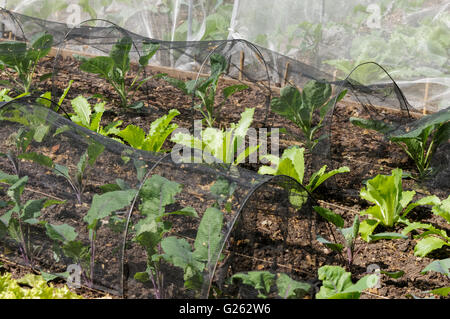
(330, 216)
(393, 274)
(149, 50)
(337, 284)
(105, 204)
(133, 135)
(83, 111)
(142, 277)
(119, 54)
(157, 192)
(440, 266)
(260, 280)
(443, 209)
(387, 236)
(367, 227)
(230, 90)
(37, 158)
(320, 176)
(289, 288)
(8, 179)
(93, 151)
(333, 246)
(315, 94)
(427, 245)
(101, 65)
(444, 291)
(63, 233)
(209, 236)
(370, 124)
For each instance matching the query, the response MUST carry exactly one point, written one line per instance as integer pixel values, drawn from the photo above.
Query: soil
(262, 239)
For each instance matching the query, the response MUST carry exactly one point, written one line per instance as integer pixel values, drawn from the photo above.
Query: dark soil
(364, 152)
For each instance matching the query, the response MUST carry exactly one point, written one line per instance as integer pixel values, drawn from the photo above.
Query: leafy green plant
(440, 266)
(421, 141)
(85, 117)
(337, 283)
(65, 236)
(222, 146)
(292, 164)
(115, 67)
(32, 287)
(302, 107)
(432, 238)
(17, 221)
(23, 60)
(350, 234)
(156, 193)
(46, 98)
(160, 129)
(206, 89)
(262, 281)
(196, 262)
(391, 204)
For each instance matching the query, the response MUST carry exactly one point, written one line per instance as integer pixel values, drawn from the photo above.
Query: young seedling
(115, 67)
(420, 141)
(350, 234)
(391, 204)
(219, 146)
(302, 108)
(197, 263)
(160, 129)
(91, 120)
(432, 238)
(22, 60)
(65, 236)
(156, 193)
(206, 89)
(292, 164)
(17, 221)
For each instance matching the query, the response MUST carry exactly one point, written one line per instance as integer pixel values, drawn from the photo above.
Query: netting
(140, 223)
(82, 199)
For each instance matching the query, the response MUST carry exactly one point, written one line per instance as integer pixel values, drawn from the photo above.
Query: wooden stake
(425, 98)
(286, 74)
(10, 35)
(333, 86)
(242, 66)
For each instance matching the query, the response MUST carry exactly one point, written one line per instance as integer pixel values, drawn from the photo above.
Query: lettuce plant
(390, 203)
(219, 146)
(420, 141)
(23, 60)
(206, 89)
(301, 108)
(156, 193)
(39, 289)
(160, 129)
(292, 164)
(85, 117)
(263, 281)
(431, 238)
(115, 67)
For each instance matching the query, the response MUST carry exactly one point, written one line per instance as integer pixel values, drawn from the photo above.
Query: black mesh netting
(65, 170)
(74, 199)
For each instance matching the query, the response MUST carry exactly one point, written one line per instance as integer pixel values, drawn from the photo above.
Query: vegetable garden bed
(262, 225)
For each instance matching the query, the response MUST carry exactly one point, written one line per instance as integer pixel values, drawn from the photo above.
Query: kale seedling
(156, 193)
(22, 60)
(206, 89)
(115, 67)
(350, 233)
(420, 140)
(17, 221)
(301, 108)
